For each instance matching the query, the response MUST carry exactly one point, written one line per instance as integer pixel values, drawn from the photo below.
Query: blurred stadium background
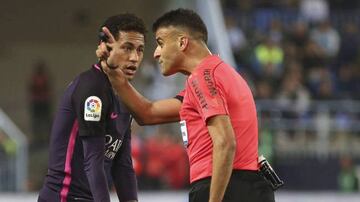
(300, 57)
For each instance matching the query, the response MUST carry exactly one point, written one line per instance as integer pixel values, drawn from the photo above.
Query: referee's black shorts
(244, 186)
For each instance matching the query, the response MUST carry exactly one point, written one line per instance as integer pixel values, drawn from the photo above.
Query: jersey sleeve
(91, 103)
(93, 147)
(123, 172)
(180, 95)
(208, 93)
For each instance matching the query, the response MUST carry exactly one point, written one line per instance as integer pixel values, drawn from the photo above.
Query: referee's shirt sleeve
(180, 95)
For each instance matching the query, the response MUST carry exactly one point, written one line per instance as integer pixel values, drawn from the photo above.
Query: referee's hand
(101, 52)
(116, 76)
(106, 50)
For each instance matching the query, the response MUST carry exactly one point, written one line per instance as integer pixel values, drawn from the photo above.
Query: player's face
(167, 51)
(131, 52)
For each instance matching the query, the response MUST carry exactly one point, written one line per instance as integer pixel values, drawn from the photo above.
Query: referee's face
(130, 52)
(168, 52)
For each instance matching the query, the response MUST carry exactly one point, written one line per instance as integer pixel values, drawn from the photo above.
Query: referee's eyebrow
(158, 40)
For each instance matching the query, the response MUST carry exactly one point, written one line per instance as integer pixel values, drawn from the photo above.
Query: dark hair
(183, 18)
(124, 22)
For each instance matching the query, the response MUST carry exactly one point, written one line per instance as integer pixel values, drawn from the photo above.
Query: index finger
(107, 32)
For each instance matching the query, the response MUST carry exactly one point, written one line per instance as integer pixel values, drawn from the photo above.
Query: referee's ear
(183, 42)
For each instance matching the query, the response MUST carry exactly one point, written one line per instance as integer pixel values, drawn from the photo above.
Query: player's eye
(141, 50)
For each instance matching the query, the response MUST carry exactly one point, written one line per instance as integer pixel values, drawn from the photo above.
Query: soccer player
(90, 137)
(216, 109)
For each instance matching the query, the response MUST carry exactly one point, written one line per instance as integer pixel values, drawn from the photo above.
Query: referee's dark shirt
(89, 108)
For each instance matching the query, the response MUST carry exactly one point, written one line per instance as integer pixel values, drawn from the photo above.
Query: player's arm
(123, 173)
(91, 124)
(224, 144)
(93, 147)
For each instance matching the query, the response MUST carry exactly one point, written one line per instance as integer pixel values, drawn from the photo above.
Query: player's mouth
(130, 70)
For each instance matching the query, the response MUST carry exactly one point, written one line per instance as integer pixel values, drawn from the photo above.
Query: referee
(216, 111)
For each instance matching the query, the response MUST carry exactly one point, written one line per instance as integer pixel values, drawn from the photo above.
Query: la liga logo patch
(92, 109)
(93, 105)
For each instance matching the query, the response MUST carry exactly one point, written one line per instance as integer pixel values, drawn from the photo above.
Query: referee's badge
(184, 133)
(92, 109)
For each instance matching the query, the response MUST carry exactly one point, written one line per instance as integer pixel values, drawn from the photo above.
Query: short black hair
(186, 18)
(124, 22)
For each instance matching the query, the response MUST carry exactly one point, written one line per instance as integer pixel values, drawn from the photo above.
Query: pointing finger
(107, 32)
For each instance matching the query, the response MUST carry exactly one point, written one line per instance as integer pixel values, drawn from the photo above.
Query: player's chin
(129, 77)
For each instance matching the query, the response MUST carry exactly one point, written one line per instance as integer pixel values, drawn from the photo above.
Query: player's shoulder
(92, 77)
(91, 81)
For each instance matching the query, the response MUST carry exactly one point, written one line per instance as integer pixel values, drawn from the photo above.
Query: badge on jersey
(184, 133)
(92, 109)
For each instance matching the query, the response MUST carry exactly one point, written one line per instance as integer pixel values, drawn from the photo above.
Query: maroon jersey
(90, 140)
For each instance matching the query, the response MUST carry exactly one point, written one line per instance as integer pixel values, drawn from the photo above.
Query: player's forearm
(223, 156)
(98, 184)
(94, 168)
(125, 184)
(123, 174)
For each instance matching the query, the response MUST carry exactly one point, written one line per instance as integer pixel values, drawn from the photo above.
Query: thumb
(105, 68)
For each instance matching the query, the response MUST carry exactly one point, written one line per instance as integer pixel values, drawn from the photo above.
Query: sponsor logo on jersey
(92, 109)
(112, 146)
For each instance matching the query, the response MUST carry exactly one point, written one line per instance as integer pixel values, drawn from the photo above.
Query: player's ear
(183, 42)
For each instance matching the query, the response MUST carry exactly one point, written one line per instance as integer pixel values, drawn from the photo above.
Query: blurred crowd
(296, 50)
(295, 53)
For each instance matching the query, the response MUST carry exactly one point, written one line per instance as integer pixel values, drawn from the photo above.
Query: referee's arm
(145, 111)
(224, 144)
